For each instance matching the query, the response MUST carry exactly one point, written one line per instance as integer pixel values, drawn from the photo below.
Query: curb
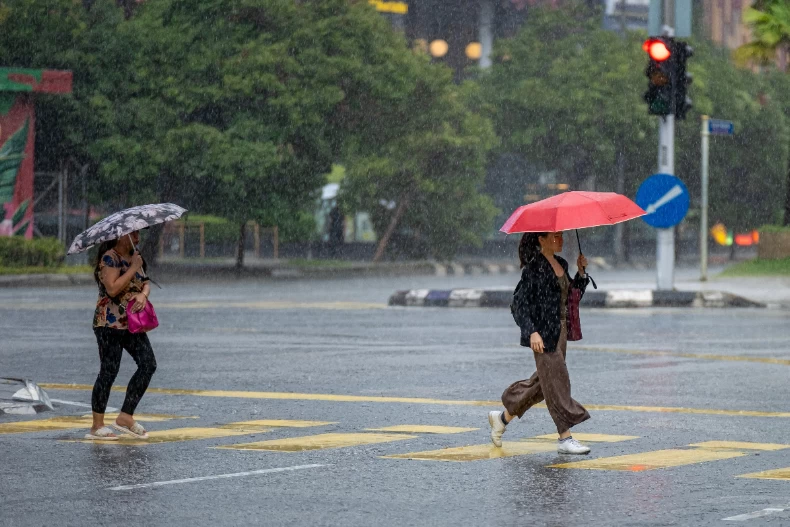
(598, 299)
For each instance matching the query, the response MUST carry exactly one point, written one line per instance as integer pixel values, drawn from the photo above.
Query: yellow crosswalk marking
(589, 438)
(652, 460)
(423, 429)
(174, 435)
(71, 422)
(275, 423)
(480, 452)
(740, 445)
(319, 442)
(780, 473)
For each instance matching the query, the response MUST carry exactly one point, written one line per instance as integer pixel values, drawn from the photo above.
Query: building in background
(622, 15)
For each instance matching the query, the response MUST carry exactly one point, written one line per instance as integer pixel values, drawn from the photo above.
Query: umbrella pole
(141, 269)
(584, 269)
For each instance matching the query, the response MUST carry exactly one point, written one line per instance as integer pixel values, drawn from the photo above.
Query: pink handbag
(143, 321)
(574, 321)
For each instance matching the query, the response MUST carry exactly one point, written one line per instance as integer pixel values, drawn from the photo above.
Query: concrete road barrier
(598, 299)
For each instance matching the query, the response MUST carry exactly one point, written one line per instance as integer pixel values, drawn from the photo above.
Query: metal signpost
(666, 200)
(709, 127)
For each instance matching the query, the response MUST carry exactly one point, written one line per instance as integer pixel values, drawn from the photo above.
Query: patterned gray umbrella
(125, 222)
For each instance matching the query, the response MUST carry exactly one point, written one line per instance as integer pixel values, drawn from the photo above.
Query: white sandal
(102, 434)
(135, 430)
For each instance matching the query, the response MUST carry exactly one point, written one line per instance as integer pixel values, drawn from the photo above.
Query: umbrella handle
(578, 240)
(584, 269)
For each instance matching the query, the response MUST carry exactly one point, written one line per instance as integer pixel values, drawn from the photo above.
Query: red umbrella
(572, 210)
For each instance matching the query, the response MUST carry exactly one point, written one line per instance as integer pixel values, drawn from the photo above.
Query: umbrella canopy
(572, 210)
(125, 222)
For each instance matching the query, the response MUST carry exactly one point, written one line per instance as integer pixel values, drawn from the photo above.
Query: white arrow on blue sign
(720, 127)
(665, 198)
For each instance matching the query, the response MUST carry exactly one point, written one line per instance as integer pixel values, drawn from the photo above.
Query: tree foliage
(567, 95)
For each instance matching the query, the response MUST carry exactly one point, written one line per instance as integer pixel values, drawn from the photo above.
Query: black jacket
(536, 301)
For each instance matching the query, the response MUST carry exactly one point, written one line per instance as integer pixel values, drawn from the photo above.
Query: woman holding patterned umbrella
(124, 289)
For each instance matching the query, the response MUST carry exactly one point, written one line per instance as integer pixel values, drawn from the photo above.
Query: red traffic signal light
(657, 49)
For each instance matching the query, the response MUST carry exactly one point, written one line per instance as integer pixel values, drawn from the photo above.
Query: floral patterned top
(111, 312)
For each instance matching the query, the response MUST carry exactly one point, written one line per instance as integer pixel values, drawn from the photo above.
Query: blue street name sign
(665, 199)
(720, 127)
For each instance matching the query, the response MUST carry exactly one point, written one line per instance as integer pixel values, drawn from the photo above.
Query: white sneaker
(569, 446)
(497, 427)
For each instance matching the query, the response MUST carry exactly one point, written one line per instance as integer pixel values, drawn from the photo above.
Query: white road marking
(219, 476)
(756, 514)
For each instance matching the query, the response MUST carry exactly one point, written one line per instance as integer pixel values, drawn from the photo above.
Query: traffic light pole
(703, 228)
(665, 240)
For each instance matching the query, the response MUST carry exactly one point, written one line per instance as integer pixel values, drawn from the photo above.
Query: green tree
(427, 161)
(567, 96)
(770, 23)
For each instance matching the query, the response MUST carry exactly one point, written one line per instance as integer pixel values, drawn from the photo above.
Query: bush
(218, 230)
(16, 251)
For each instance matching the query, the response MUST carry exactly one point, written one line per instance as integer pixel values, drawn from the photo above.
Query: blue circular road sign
(665, 199)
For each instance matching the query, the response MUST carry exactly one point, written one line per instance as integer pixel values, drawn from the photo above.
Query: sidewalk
(225, 269)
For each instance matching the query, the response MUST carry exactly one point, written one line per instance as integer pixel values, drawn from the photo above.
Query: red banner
(17, 138)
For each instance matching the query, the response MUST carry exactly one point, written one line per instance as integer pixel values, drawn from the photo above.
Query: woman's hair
(103, 248)
(529, 247)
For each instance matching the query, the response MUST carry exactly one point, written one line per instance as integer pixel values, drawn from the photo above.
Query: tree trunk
(385, 239)
(242, 243)
(787, 199)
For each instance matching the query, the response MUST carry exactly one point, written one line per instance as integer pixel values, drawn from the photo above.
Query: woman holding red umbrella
(541, 305)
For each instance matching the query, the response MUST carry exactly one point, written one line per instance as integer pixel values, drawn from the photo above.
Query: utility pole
(703, 228)
(665, 239)
(486, 24)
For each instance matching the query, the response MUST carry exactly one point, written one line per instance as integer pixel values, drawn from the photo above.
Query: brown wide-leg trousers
(552, 383)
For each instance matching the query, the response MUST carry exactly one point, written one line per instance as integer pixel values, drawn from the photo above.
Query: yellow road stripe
(423, 429)
(740, 445)
(319, 442)
(652, 460)
(680, 410)
(480, 452)
(703, 356)
(414, 400)
(174, 435)
(590, 438)
(72, 422)
(275, 423)
(285, 396)
(780, 473)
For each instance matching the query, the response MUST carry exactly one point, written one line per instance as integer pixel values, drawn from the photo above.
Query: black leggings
(112, 342)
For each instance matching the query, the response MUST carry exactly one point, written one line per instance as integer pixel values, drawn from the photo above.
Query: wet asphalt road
(292, 350)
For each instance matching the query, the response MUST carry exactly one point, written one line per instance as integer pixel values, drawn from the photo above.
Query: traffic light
(659, 73)
(683, 103)
(668, 79)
